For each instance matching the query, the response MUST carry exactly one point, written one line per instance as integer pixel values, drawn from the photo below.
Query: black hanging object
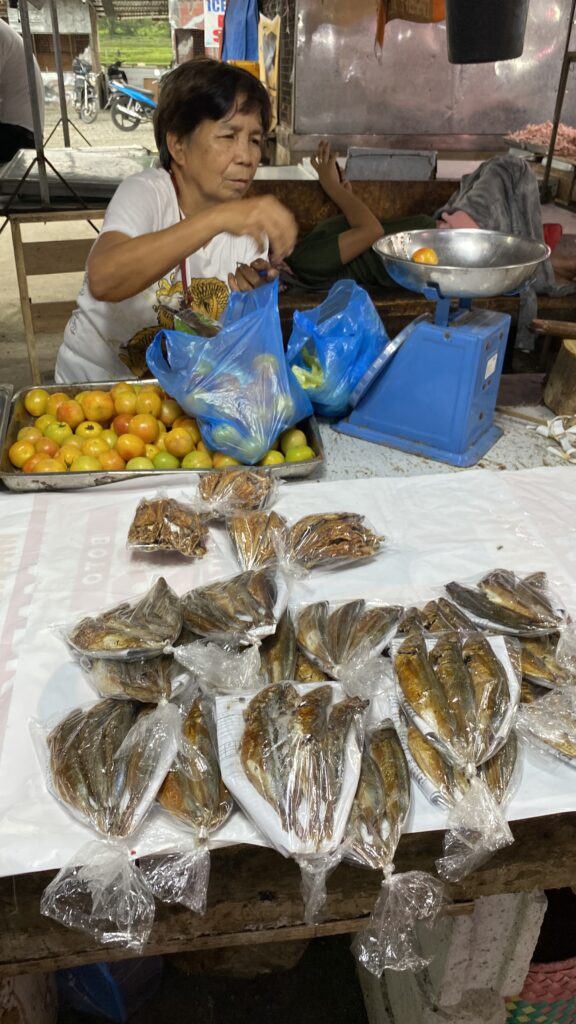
(480, 31)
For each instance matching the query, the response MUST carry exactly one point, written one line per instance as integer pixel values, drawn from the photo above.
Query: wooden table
(255, 897)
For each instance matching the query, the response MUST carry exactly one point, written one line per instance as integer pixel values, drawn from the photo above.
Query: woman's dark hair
(205, 90)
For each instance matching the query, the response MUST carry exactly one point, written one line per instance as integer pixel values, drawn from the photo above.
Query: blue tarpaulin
(240, 33)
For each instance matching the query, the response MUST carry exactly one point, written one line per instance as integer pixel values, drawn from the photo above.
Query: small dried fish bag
(461, 694)
(194, 794)
(258, 538)
(131, 630)
(331, 540)
(106, 763)
(164, 524)
(241, 609)
(290, 755)
(223, 492)
(378, 815)
(549, 725)
(508, 604)
(343, 639)
(148, 679)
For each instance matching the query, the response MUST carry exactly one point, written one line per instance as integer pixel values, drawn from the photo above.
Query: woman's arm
(120, 267)
(365, 228)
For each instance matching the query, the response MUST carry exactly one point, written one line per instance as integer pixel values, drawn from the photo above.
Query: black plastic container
(480, 31)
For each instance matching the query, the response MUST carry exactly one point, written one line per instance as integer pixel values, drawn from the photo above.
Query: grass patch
(140, 41)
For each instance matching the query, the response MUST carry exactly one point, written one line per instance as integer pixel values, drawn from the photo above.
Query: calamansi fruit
(292, 438)
(272, 458)
(299, 453)
(425, 255)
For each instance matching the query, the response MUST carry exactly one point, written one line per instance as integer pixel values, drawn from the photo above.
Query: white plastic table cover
(63, 555)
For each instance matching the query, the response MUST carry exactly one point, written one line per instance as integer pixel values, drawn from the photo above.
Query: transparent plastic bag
(218, 670)
(434, 618)
(506, 603)
(164, 524)
(549, 725)
(330, 540)
(256, 537)
(477, 827)
(389, 941)
(241, 609)
(148, 679)
(278, 653)
(140, 629)
(237, 384)
(332, 346)
(226, 491)
(103, 894)
(194, 794)
(290, 755)
(342, 638)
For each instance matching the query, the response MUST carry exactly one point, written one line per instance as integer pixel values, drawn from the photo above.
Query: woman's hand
(266, 220)
(327, 169)
(249, 277)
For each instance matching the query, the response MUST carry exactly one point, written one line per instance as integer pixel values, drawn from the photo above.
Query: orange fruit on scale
(425, 255)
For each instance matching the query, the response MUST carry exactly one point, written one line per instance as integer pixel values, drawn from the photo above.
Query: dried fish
(263, 742)
(449, 782)
(331, 538)
(240, 608)
(148, 679)
(422, 691)
(550, 723)
(436, 617)
(278, 652)
(447, 661)
(305, 671)
(355, 629)
(308, 790)
(491, 691)
(236, 490)
(163, 524)
(193, 790)
(256, 537)
(539, 664)
(132, 630)
(503, 600)
(529, 692)
(382, 800)
(499, 769)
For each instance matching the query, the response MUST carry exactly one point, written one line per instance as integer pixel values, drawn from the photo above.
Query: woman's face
(218, 160)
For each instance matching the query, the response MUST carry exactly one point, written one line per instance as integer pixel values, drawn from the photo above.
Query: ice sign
(214, 11)
(216, 6)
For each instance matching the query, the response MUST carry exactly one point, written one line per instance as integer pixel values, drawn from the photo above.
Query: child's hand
(326, 167)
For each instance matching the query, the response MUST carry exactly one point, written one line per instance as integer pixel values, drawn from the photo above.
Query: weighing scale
(433, 389)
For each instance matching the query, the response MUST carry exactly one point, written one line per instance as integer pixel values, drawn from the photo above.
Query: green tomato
(58, 432)
(300, 453)
(140, 463)
(165, 460)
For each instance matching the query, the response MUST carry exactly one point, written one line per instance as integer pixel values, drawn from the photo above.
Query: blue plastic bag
(333, 345)
(111, 991)
(238, 384)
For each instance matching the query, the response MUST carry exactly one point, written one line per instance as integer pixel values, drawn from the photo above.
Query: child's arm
(365, 228)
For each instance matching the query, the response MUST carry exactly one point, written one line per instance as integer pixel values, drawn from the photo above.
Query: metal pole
(32, 86)
(58, 61)
(567, 59)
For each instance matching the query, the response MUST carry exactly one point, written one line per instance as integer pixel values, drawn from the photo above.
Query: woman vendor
(181, 233)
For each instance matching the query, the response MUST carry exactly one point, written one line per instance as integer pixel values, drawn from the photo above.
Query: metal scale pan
(433, 389)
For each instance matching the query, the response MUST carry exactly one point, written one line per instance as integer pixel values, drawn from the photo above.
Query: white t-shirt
(143, 203)
(15, 107)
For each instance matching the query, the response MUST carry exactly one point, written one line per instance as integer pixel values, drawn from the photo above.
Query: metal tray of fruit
(14, 416)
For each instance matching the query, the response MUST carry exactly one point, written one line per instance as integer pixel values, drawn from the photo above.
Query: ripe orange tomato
(130, 447)
(121, 424)
(31, 463)
(47, 446)
(178, 442)
(20, 452)
(35, 401)
(219, 460)
(29, 434)
(54, 400)
(125, 402)
(111, 460)
(145, 426)
(98, 406)
(94, 446)
(71, 412)
(169, 411)
(149, 401)
(49, 465)
(425, 255)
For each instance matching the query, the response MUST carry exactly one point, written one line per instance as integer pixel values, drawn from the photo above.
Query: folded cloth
(502, 195)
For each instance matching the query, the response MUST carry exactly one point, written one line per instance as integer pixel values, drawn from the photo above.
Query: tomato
(189, 425)
(145, 426)
(149, 401)
(110, 437)
(89, 428)
(111, 460)
(197, 460)
(121, 424)
(43, 421)
(425, 255)
(219, 460)
(299, 453)
(130, 447)
(29, 434)
(71, 412)
(95, 446)
(68, 453)
(31, 463)
(164, 460)
(140, 463)
(48, 465)
(59, 432)
(20, 452)
(291, 438)
(85, 464)
(125, 402)
(54, 400)
(35, 401)
(178, 442)
(98, 406)
(47, 446)
(169, 411)
(272, 458)
(122, 385)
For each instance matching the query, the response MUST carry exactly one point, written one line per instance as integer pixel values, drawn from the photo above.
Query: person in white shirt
(182, 233)
(16, 125)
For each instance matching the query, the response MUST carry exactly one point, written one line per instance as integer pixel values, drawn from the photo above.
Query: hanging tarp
(240, 34)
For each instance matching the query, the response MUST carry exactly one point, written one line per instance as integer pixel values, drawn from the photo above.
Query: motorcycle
(130, 106)
(85, 95)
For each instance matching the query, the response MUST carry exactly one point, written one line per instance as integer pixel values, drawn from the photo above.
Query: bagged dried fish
(257, 537)
(147, 679)
(461, 694)
(241, 609)
(305, 671)
(106, 764)
(506, 603)
(331, 540)
(342, 639)
(278, 653)
(192, 792)
(378, 815)
(163, 524)
(435, 617)
(549, 725)
(291, 758)
(224, 491)
(139, 630)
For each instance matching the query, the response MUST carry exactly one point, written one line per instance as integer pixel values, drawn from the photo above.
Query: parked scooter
(85, 95)
(130, 106)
